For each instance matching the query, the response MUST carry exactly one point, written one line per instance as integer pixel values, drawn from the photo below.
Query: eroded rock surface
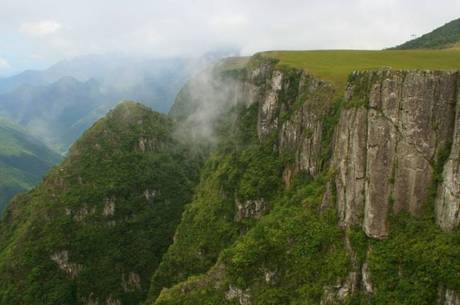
(292, 105)
(250, 209)
(62, 260)
(448, 297)
(388, 139)
(448, 196)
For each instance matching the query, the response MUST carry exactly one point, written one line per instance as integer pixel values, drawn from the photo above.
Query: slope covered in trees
(96, 228)
(445, 36)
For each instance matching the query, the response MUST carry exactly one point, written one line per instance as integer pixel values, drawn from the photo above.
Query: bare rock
(448, 297)
(269, 107)
(109, 207)
(62, 260)
(349, 161)
(112, 301)
(367, 283)
(336, 294)
(131, 282)
(448, 196)
(385, 147)
(150, 194)
(302, 133)
(254, 209)
(234, 293)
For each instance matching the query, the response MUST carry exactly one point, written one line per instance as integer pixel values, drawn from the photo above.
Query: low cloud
(203, 104)
(40, 28)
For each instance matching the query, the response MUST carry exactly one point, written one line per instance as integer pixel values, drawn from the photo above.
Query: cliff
(392, 139)
(365, 181)
(266, 184)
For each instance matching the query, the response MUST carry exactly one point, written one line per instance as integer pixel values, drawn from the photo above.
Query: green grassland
(336, 65)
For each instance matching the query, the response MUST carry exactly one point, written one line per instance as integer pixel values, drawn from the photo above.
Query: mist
(205, 103)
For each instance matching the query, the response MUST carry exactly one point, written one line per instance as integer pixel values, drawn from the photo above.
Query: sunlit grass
(336, 65)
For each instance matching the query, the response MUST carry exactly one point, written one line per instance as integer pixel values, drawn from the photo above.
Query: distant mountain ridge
(57, 104)
(23, 161)
(445, 36)
(56, 112)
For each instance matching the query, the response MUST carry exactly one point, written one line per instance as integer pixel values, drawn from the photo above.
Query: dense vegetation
(445, 36)
(286, 258)
(113, 208)
(240, 170)
(23, 161)
(97, 226)
(296, 252)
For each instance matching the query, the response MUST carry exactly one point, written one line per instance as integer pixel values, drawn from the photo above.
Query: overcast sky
(36, 33)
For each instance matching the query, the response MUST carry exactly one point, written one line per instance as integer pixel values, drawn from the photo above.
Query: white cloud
(184, 28)
(4, 65)
(40, 28)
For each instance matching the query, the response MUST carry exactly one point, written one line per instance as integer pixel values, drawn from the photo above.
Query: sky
(37, 33)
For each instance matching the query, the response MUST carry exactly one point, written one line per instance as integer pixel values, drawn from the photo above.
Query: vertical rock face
(448, 196)
(448, 297)
(302, 132)
(387, 141)
(268, 108)
(349, 159)
(292, 105)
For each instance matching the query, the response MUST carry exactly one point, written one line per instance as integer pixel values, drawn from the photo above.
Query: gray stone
(394, 141)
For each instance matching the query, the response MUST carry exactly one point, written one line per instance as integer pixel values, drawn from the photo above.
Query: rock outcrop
(394, 127)
(292, 105)
(250, 209)
(448, 196)
(61, 258)
(448, 297)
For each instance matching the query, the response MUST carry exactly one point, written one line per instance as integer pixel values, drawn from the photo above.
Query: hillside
(23, 161)
(445, 36)
(96, 227)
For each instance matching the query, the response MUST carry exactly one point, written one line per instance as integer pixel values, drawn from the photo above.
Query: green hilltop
(98, 224)
(445, 36)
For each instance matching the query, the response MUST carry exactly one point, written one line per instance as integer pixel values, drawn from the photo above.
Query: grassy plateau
(336, 65)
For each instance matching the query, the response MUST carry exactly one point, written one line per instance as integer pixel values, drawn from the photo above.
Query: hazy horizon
(57, 30)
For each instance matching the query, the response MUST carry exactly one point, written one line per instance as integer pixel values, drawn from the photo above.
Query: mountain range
(289, 177)
(55, 106)
(59, 103)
